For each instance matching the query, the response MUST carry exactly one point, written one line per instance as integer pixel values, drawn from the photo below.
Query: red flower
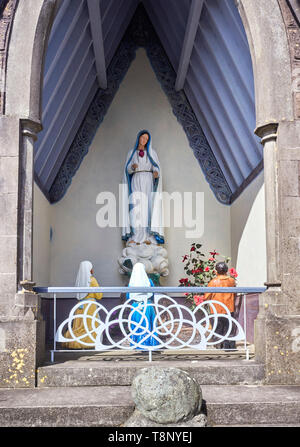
(211, 259)
(233, 272)
(207, 269)
(193, 249)
(198, 299)
(184, 258)
(195, 271)
(214, 253)
(183, 280)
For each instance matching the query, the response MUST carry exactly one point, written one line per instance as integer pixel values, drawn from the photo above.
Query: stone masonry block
(290, 253)
(9, 136)
(291, 287)
(8, 214)
(291, 227)
(291, 208)
(289, 154)
(289, 172)
(283, 350)
(9, 175)
(288, 139)
(8, 254)
(19, 356)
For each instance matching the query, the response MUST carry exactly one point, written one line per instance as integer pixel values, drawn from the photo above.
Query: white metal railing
(168, 323)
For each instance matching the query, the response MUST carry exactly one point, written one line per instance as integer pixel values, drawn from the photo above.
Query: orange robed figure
(222, 280)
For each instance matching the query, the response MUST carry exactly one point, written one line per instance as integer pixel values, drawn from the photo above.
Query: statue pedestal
(154, 257)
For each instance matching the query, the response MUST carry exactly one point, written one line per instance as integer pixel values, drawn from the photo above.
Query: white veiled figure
(142, 318)
(139, 278)
(82, 329)
(142, 209)
(83, 278)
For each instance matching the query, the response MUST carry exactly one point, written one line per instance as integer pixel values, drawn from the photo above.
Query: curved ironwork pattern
(175, 326)
(141, 33)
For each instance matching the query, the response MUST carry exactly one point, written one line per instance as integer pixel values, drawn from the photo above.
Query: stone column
(277, 328)
(268, 136)
(22, 330)
(29, 131)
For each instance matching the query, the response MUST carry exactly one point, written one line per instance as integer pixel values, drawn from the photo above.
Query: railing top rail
(242, 290)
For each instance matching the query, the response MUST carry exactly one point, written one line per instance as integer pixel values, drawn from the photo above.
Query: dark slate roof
(216, 106)
(295, 9)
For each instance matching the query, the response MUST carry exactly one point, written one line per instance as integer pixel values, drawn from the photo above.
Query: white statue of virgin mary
(142, 210)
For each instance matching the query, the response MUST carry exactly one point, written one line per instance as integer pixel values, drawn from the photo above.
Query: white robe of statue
(142, 182)
(144, 219)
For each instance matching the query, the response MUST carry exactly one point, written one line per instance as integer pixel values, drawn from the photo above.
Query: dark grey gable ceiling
(295, 8)
(218, 83)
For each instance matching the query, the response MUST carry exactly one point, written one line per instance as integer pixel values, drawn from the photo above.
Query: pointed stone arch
(269, 48)
(277, 125)
(276, 74)
(27, 49)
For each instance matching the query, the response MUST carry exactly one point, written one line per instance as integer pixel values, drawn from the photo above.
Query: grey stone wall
(7, 11)
(291, 19)
(282, 304)
(24, 30)
(9, 178)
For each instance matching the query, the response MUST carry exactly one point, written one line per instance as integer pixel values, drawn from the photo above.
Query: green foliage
(200, 270)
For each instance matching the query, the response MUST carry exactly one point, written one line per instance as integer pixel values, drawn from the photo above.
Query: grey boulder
(166, 395)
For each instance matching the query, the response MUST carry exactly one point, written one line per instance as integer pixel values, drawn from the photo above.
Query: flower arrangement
(200, 270)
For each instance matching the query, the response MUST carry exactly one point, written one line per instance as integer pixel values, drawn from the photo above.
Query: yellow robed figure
(84, 279)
